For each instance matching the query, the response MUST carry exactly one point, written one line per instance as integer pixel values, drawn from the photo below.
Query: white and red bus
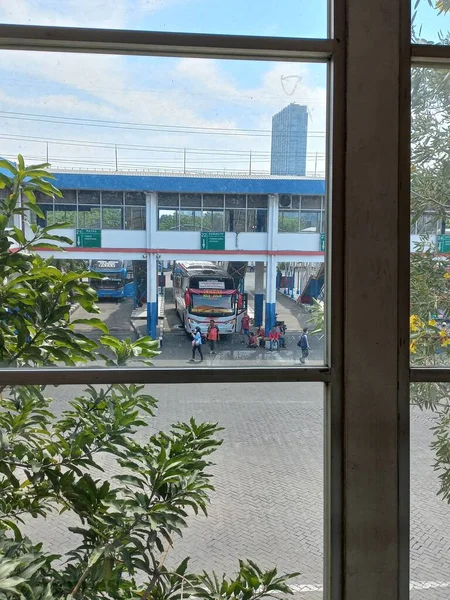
(204, 291)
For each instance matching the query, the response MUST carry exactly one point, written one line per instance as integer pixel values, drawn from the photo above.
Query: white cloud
(81, 13)
(178, 92)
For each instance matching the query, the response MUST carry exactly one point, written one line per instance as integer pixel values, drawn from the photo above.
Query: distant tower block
(289, 133)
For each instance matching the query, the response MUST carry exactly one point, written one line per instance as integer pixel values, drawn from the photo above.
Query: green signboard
(89, 238)
(322, 242)
(212, 240)
(443, 242)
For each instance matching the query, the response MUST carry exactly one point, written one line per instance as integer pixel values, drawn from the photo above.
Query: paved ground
(269, 485)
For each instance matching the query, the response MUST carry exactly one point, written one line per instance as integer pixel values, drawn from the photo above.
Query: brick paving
(269, 486)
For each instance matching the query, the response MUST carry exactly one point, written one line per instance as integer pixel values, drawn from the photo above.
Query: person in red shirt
(245, 326)
(261, 335)
(274, 336)
(212, 336)
(252, 340)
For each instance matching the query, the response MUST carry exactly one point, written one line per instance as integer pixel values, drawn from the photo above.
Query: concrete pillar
(151, 213)
(271, 293)
(152, 295)
(271, 273)
(259, 293)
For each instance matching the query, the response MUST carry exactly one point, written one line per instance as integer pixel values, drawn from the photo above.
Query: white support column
(271, 274)
(152, 264)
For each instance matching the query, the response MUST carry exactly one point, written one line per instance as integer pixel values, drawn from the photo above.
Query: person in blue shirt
(197, 344)
(304, 345)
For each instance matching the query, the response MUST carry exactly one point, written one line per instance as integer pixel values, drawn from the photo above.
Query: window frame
(362, 38)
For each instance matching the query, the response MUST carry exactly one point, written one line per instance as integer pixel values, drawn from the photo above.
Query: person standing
(212, 336)
(303, 343)
(197, 344)
(245, 326)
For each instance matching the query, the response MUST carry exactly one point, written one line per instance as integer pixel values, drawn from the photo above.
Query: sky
(99, 111)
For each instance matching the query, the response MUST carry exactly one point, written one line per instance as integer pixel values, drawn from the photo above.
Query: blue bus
(117, 281)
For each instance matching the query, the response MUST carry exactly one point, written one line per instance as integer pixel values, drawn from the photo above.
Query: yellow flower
(432, 322)
(446, 343)
(443, 333)
(415, 323)
(447, 275)
(413, 346)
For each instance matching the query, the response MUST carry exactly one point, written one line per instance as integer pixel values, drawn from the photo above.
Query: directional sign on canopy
(89, 238)
(212, 240)
(443, 242)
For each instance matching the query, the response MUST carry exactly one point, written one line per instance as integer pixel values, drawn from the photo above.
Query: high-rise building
(289, 133)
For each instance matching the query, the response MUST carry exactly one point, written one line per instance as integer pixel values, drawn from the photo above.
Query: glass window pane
(309, 202)
(224, 195)
(43, 198)
(191, 200)
(64, 213)
(89, 217)
(256, 201)
(112, 198)
(213, 200)
(431, 21)
(310, 221)
(256, 219)
(288, 221)
(165, 199)
(235, 220)
(88, 197)
(213, 220)
(256, 509)
(112, 218)
(292, 18)
(430, 210)
(69, 197)
(167, 220)
(134, 217)
(47, 210)
(428, 223)
(430, 477)
(135, 198)
(235, 201)
(190, 220)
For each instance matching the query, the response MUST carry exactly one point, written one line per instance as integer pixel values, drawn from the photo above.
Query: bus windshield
(212, 305)
(107, 283)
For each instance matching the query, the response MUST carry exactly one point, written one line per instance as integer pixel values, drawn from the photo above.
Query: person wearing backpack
(197, 344)
(304, 345)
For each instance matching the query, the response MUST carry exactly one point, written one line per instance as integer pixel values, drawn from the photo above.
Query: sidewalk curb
(136, 332)
(73, 308)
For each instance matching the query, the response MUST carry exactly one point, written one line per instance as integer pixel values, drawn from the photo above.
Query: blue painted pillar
(151, 216)
(271, 271)
(271, 293)
(259, 293)
(152, 296)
